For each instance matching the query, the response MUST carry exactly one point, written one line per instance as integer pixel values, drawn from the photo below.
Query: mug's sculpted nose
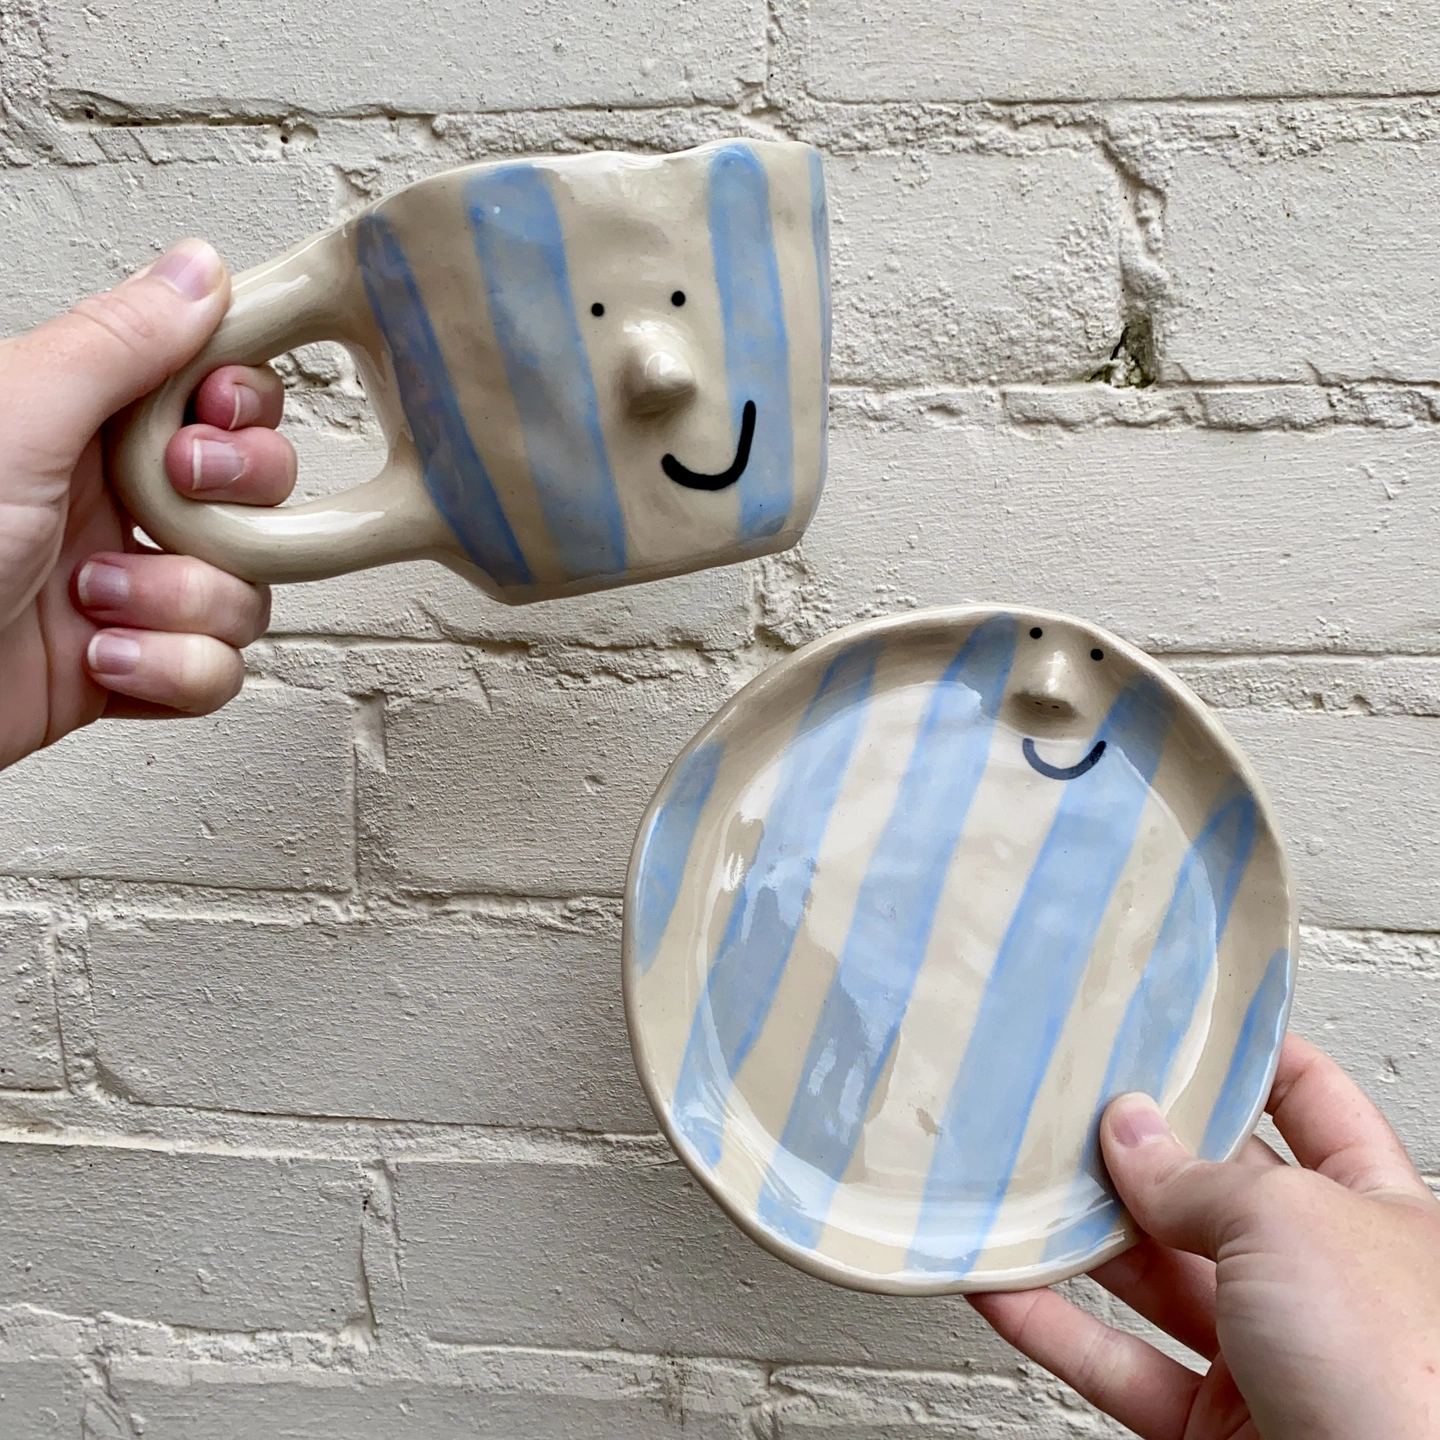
(1047, 687)
(657, 378)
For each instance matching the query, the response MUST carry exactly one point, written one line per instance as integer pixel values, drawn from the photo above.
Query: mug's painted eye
(678, 298)
(597, 308)
(1036, 633)
(1097, 654)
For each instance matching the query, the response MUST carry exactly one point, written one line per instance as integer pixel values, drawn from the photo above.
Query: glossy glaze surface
(593, 369)
(914, 906)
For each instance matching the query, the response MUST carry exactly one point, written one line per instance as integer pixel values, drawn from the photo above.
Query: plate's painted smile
(1063, 772)
(695, 480)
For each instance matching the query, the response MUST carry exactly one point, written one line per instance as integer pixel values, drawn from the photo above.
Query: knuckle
(1262, 1198)
(1023, 1326)
(208, 603)
(1283, 1187)
(194, 594)
(1172, 1169)
(262, 611)
(120, 318)
(1101, 1359)
(210, 674)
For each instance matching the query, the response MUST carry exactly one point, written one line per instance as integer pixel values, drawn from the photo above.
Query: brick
(69, 231)
(1002, 1422)
(215, 1241)
(1268, 281)
(1381, 1026)
(424, 601)
(29, 1025)
(1078, 49)
(1179, 539)
(444, 56)
(447, 1018)
(826, 1405)
(394, 1410)
(1004, 268)
(533, 786)
(632, 1255)
(257, 795)
(1358, 798)
(40, 1400)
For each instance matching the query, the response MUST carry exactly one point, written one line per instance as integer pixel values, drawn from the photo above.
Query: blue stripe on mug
(770, 903)
(1255, 1049)
(757, 354)
(667, 847)
(532, 311)
(1162, 1007)
(1032, 984)
(889, 934)
(820, 231)
(454, 474)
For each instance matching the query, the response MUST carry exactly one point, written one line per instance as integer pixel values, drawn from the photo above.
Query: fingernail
(192, 267)
(214, 465)
(247, 407)
(1136, 1120)
(113, 655)
(102, 586)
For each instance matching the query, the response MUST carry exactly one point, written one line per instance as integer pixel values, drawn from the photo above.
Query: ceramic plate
(913, 906)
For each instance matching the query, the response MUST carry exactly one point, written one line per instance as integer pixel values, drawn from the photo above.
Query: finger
(250, 467)
(190, 674)
(63, 380)
(235, 397)
(1257, 1155)
(1188, 1204)
(1169, 1288)
(171, 593)
(1333, 1127)
(1117, 1373)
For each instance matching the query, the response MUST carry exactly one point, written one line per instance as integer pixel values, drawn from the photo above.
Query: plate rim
(930, 618)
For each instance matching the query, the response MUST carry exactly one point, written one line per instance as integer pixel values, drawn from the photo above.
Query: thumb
(65, 379)
(1182, 1202)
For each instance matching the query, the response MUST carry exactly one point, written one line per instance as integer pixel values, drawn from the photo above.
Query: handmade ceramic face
(920, 901)
(614, 367)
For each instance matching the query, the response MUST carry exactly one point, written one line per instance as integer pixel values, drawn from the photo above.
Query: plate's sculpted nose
(657, 378)
(1046, 685)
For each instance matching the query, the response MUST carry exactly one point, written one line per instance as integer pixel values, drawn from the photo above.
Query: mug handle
(312, 292)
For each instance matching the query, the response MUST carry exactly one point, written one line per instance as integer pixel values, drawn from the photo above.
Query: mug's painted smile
(696, 480)
(1063, 772)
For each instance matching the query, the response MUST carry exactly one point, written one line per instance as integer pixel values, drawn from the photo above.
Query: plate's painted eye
(1097, 654)
(678, 298)
(597, 308)
(1036, 632)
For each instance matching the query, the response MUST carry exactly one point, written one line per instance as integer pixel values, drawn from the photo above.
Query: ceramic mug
(591, 370)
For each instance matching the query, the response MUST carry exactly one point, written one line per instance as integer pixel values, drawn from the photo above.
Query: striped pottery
(913, 906)
(593, 369)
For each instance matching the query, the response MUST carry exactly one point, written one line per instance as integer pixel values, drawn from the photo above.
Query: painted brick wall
(315, 1106)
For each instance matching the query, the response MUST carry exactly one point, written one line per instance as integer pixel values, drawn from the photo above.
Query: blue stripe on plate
(527, 280)
(757, 352)
(1162, 1007)
(1255, 1049)
(820, 231)
(667, 847)
(1032, 984)
(770, 903)
(889, 934)
(454, 474)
